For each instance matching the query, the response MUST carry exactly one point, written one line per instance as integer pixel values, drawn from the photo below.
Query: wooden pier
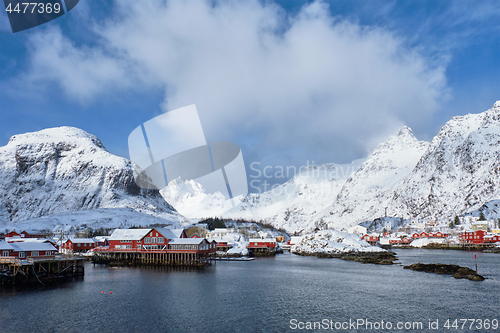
(39, 270)
(150, 258)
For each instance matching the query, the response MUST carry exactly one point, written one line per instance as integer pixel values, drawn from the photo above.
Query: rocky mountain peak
(66, 169)
(405, 131)
(64, 134)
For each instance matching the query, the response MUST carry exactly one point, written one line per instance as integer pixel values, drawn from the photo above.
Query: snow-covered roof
(82, 240)
(295, 239)
(176, 232)
(187, 241)
(129, 234)
(30, 246)
(32, 240)
(5, 246)
(262, 240)
(169, 233)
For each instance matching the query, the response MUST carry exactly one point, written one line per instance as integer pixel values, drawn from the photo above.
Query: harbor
(17, 271)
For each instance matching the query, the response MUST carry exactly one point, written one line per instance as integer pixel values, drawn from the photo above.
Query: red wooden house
(473, 236)
(12, 234)
(6, 250)
(191, 245)
(404, 240)
(372, 239)
(255, 243)
(492, 238)
(25, 250)
(127, 239)
(33, 234)
(223, 246)
(78, 245)
(142, 239)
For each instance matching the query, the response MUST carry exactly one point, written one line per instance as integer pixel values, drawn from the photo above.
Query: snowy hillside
(331, 241)
(458, 173)
(291, 206)
(190, 200)
(92, 218)
(455, 174)
(66, 169)
(491, 210)
(366, 194)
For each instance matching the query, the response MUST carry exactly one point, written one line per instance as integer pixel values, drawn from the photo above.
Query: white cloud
(288, 89)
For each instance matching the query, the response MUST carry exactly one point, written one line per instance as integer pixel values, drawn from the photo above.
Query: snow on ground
(238, 241)
(426, 241)
(331, 241)
(93, 218)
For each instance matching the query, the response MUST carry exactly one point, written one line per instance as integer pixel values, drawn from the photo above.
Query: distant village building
(473, 236)
(357, 229)
(27, 250)
(73, 245)
(261, 246)
(294, 240)
(63, 230)
(479, 225)
(371, 239)
(492, 238)
(158, 246)
(262, 234)
(221, 232)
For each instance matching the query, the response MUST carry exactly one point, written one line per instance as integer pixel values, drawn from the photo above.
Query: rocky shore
(378, 258)
(458, 272)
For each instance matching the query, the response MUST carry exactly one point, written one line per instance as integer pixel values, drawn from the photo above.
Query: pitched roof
(177, 232)
(262, 240)
(5, 246)
(82, 240)
(168, 233)
(187, 241)
(30, 246)
(129, 234)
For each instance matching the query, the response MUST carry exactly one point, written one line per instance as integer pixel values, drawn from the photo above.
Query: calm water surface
(258, 296)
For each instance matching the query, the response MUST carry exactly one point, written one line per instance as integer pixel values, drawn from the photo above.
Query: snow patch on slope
(331, 241)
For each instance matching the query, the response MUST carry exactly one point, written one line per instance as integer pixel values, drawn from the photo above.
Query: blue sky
(289, 81)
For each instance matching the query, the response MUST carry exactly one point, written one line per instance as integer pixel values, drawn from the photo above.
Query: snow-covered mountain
(66, 169)
(91, 218)
(189, 199)
(366, 194)
(458, 173)
(291, 206)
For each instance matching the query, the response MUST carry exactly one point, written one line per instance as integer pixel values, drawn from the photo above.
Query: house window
(22, 254)
(34, 254)
(161, 240)
(5, 254)
(147, 240)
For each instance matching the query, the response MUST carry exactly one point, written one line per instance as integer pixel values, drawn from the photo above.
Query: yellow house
(480, 225)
